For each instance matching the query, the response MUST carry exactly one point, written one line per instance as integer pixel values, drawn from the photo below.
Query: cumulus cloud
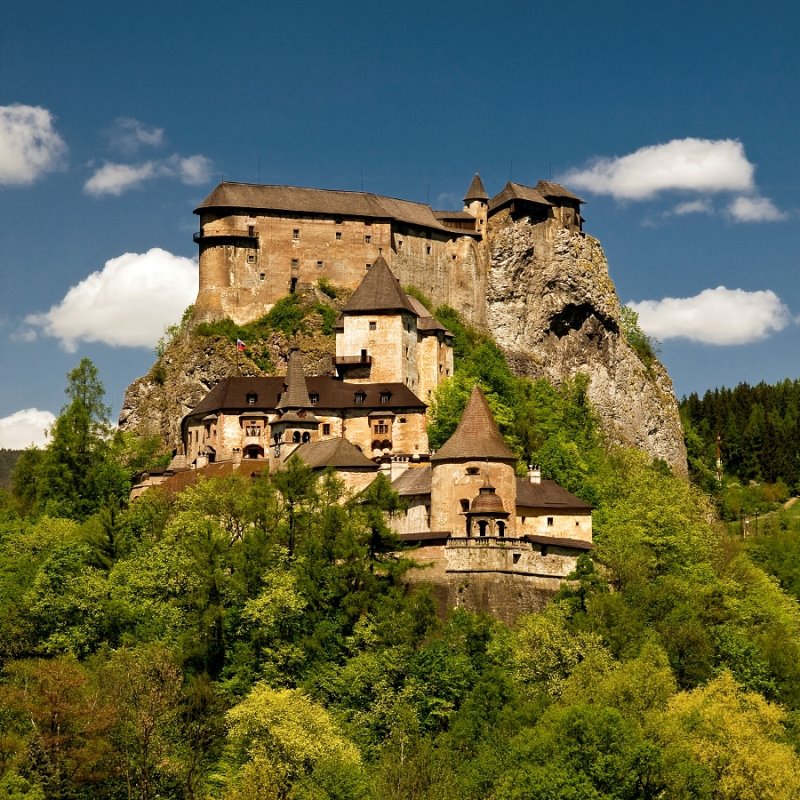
(715, 316)
(755, 209)
(697, 165)
(127, 303)
(29, 144)
(25, 428)
(115, 179)
(128, 135)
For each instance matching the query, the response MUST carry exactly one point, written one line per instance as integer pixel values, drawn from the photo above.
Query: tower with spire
(295, 422)
(476, 202)
(475, 457)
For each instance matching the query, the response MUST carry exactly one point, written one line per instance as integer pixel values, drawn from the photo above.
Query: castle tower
(476, 202)
(296, 422)
(474, 456)
(377, 340)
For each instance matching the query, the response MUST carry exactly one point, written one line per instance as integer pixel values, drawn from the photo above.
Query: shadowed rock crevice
(573, 316)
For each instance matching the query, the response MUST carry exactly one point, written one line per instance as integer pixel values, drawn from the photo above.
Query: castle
(259, 243)
(486, 536)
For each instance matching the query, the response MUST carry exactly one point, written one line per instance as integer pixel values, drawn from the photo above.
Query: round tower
(476, 202)
(474, 456)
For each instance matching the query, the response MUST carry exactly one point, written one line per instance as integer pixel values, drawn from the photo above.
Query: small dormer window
(360, 397)
(473, 470)
(386, 397)
(252, 397)
(314, 398)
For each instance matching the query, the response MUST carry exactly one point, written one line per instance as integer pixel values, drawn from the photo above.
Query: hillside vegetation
(254, 638)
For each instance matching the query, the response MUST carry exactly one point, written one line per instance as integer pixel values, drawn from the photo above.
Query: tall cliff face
(553, 308)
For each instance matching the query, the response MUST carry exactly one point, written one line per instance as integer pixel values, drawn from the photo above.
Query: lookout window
(427, 249)
(251, 258)
(549, 522)
(262, 275)
(319, 264)
(360, 397)
(295, 234)
(251, 398)
(326, 429)
(386, 397)
(338, 236)
(381, 427)
(314, 398)
(251, 230)
(473, 470)
(464, 505)
(373, 326)
(367, 238)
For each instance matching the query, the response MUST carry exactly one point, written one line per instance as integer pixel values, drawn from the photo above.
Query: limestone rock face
(553, 308)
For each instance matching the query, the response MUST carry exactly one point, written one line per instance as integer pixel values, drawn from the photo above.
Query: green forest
(255, 638)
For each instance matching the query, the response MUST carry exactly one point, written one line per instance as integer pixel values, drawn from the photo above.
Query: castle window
(314, 398)
(373, 326)
(549, 522)
(381, 427)
(385, 397)
(251, 259)
(295, 234)
(338, 236)
(295, 265)
(517, 557)
(252, 430)
(400, 244)
(360, 397)
(296, 436)
(428, 249)
(368, 265)
(326, 429)
(306, 437)
(262, 275)
(402, 420)
(251, 230)
(319, 264)
(464, 505)
(367, 238)
(251, 398)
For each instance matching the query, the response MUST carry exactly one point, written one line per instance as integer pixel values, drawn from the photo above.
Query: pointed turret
(295, 394)
(379, 292)
(476, 191)
(477, 436)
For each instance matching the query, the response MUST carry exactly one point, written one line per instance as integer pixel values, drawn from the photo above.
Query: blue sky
(677, 123)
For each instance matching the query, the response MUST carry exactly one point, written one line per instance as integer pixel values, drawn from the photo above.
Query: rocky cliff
(553, 308)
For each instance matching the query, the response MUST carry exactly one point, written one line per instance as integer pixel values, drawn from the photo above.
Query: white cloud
(755, 209)
(693, 207)
(25, 428)
(697, 165)
(114, 179)
(127, 303)
(194, 170)
(118, 178)
(127, 135)
(715, 316)
(29, 144)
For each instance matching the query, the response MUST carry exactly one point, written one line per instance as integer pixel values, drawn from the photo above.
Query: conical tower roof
(378, 291)
(295, 394)
(476, 190)
(477, 435)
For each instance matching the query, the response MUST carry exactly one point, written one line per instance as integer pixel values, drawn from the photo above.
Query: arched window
(501, 528)
(296, 436)
(482, 526)
(306, 437)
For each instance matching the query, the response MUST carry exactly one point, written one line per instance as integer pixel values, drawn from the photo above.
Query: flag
(240, 345)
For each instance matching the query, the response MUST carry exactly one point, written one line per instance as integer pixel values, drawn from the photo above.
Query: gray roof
(414, 481)
(548, 495)
(327, 202)
(476, 190)
(379, 291)
(550, 189)
(295, 395)
(559, 541)
(426, 321)
(339, 453)
(477, 435)
(517, 191)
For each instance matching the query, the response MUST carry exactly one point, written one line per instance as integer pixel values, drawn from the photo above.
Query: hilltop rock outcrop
(552, 307)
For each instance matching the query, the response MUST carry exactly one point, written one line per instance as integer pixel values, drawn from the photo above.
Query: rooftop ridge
(378, 291)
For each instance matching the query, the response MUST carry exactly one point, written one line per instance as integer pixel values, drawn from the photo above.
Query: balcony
(233, 233)
(353, 361)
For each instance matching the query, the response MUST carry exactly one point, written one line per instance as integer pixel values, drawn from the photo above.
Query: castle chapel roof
(476, 190)
(517, 191)
(327, 202)
(550, 189)
(378, 292)
(477, 436)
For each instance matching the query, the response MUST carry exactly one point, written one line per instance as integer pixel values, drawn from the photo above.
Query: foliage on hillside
(8, 458)
(253, 638)
(759, 430)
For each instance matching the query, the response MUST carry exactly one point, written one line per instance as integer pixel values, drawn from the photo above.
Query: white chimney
(534, 473)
